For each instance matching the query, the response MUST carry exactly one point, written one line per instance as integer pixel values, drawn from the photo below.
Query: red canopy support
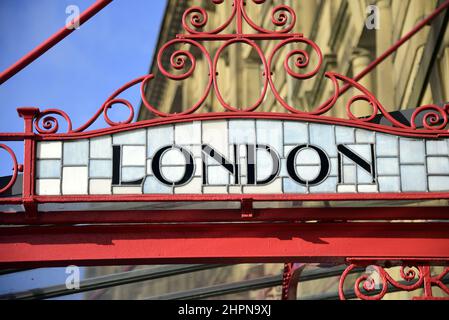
(223, 243)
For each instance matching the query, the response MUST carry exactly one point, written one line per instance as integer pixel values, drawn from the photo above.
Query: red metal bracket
(292, 272)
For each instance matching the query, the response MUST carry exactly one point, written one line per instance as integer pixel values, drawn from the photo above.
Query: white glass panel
(323, 136)
(334, 167)
(218, 175)
(74, 180)
(328, 186)
(100, 186)
(173, 174)
(283, 172)
(344, 135)
(127, 190)
(438, 148)
(149, 169)
(412, 151)
(308, 156)
(158, 138)
(130, 174)
(48, 187)
(273, 188)
(242, 152)
(349, 174)
(363, 177)
(101, 148)
(134, 156)
(100, 169)
(386, 145)
(242, 131)
(193, 187)
(413, 178)
(198, 167)
(388, 166)
(296, 133)
(132, 137)
(214, 134)
(264, 164)
(49, 150)
(308, 173)
(287, 150)
(235, 190)
(76, 153)
(438, 165)
(153, 186)
(188, 133)
(347, 189)
(367, 188)
(389, 184)
(174, 157)
(363, 136)
(243, 168)
(291, 186)
(215, 190)
(270, 133)
(48, 169)
(439, 184)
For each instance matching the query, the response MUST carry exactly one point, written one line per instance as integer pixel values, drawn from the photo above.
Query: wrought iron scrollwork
(15, 170)
(198, 18)
(301, 64)
(376, 285)
(282, 16)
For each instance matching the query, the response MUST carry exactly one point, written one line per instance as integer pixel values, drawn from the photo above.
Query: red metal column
(29, 203)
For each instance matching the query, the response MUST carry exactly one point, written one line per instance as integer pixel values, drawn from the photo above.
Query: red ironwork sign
(215, 186)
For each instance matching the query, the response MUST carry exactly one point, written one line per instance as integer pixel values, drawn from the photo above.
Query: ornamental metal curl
(300, 64)
(375, 287)
(15, 170)
(282, 16)
(198, 18)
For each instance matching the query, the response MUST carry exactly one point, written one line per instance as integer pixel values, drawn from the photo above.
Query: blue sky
(76, 76)
(80, 72)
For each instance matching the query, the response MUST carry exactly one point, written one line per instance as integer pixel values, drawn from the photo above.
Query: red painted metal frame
(291, 275)
(53, 40)
(57, 239)
(223, 243)
(268, 215)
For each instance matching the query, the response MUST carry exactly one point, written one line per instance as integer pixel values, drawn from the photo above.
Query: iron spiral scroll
(377, 284)
(300, 64)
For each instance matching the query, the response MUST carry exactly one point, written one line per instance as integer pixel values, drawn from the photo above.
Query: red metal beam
(222, 243)
(229, 215)
(51, 42)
